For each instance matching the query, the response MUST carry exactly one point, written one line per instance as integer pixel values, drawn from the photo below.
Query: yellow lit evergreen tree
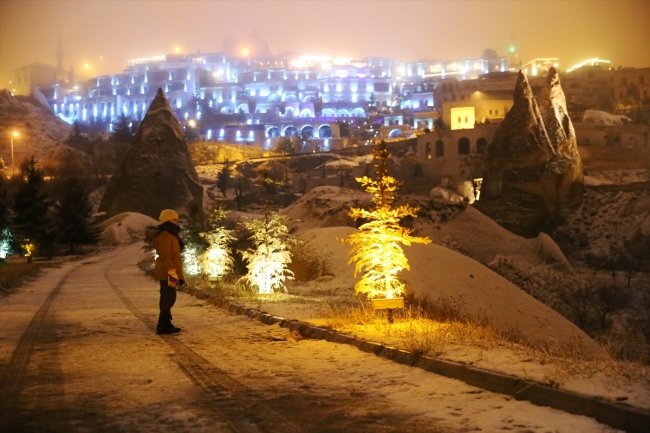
(376, 245)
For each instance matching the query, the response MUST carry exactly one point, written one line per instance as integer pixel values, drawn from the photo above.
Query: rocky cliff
(534, 176)
(156, 172)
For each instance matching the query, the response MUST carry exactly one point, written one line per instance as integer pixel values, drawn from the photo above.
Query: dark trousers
(167, 297)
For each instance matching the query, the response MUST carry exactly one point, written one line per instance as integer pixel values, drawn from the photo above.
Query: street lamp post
(13, 166)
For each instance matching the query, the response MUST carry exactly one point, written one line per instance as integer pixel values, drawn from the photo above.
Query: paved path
(79, 353)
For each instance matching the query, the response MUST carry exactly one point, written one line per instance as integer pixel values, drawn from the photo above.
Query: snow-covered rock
(125, 228)
(604, 118)
(443, 196)
(156, 172)
(535, 156)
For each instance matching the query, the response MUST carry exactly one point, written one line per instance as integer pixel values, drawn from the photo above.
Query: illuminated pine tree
(376, 245)
(267, 262)
(216, 261)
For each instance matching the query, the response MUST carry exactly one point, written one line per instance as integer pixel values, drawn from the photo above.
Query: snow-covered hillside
(40, 132)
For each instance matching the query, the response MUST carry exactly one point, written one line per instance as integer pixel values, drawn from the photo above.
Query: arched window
(440, 148)
(463, 146)
(427, 151)
(481, 145)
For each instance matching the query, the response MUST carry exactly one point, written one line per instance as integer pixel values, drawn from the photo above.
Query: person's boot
(165, 324)
(161, 328)
(173, 328)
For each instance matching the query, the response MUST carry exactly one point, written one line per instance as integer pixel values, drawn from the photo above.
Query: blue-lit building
(283, 89)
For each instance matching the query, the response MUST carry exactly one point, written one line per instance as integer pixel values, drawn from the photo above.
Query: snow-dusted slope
(40, 132)
(437, 272)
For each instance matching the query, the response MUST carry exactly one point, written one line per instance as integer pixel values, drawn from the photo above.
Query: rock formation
(156, 172)
(534, 176)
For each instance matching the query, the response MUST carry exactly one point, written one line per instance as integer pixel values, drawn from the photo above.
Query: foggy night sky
(118, 30)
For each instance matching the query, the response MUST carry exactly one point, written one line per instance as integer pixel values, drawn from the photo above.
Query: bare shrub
(308, 264)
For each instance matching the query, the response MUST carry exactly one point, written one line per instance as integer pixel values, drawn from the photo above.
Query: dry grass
(440, 328)
(12, 275)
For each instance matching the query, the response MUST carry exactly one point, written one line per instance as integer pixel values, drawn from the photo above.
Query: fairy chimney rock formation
(156, 172)
(534, 173)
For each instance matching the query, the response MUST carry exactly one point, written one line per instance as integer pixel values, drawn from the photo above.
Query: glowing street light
(245, 51)
(13, 166)
(192, 123)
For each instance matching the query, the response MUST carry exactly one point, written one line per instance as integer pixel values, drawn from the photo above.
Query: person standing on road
(168, 269)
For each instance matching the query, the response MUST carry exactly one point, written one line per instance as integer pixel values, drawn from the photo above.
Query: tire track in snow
(39, 333)
(246, 411)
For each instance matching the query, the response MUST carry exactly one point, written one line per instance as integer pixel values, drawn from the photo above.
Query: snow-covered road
(78, 353)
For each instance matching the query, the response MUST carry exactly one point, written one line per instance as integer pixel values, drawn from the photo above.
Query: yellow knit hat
(167, 215)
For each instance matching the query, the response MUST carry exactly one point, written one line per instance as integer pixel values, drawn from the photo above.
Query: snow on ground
(604, 118)
(479, 237)
(315, 385)
(437, 272)
(125, 228)
(41, 133)
(440, 272)
(616, 177)
(325, 206)
(341, 163)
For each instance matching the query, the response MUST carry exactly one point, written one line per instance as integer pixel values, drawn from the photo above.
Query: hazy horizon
(105, 34)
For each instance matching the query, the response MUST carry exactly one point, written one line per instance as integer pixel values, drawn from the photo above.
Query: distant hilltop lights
(144, 60)
(312, 88)
(591, 62)
(543, 64)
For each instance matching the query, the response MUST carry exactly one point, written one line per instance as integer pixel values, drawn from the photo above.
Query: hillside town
(264, 240)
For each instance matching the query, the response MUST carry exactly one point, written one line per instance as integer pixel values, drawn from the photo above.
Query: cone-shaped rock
(156, 172)
(564, 184)
(534, 172)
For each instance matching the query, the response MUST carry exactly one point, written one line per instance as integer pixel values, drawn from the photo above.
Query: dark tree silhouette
(122, 132)
(74, 215)
(223, 179)
(33, 223)
(76, 137)
(240, 186)
(284, 145)
(6, 238)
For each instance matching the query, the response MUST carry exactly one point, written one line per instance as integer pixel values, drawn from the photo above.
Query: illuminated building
(321, 88)
(539, 66)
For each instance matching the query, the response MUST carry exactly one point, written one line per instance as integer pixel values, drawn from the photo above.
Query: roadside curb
(617, 415)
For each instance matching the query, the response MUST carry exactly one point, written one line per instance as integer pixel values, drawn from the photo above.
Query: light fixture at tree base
(388, 304)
